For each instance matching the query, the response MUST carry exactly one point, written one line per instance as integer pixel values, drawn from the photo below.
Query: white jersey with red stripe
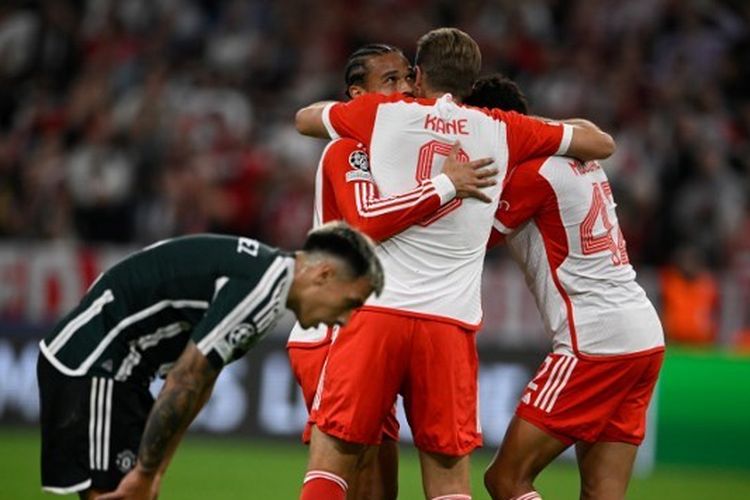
(559, 219)
(344, 190)
(434, 268)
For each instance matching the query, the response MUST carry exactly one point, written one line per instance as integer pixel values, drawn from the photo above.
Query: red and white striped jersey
(559, 219)
(344, 190)
(434, 268)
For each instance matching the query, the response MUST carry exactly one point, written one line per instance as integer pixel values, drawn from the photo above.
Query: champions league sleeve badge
(360, 163)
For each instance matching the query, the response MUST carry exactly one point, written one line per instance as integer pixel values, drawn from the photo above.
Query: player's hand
(136, 485)
(469, 177)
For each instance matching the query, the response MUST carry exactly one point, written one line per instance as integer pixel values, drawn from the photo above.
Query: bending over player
(183, 308)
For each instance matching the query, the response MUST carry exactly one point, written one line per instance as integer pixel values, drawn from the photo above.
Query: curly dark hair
(497, 91)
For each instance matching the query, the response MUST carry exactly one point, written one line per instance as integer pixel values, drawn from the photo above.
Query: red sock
(321, 485)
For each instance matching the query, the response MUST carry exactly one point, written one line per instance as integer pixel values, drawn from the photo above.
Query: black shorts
(91, 429)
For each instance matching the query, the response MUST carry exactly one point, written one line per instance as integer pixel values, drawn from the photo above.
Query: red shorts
(380, 354)
(307, 364)
(574, 399)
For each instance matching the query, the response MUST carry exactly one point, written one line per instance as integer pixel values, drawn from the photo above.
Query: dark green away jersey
(222, 292)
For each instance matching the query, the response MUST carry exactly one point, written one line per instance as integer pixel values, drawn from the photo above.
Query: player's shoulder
(345, 151)
(528, 174)
(513, 120)
(533, 166)
(572, 167)
(342, 145)
(377, 99)
(249, 259)
(494, 114)
(347, 157)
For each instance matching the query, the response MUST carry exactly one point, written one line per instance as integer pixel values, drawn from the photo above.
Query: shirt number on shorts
(533, 386)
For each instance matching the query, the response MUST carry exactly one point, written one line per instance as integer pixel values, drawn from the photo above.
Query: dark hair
(355, 72)
(449, 59)
(497, 91)
(353, 247)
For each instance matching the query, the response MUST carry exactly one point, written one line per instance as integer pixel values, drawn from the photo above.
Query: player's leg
(538, 432)
(440, 399)
(605, 469)
(331, 466)
(387, 472)
(64, 418)
(376, 475)
(363, 360)
(526, 450)
(606, 463)
(445, 477)
(383, 477)
(307, 364)
(90, 431)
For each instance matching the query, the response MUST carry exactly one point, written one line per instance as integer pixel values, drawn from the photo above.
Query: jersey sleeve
(531, 137)
(524, 195)
(346, 170)
(496, 238)
(354, 119)
(241, 314)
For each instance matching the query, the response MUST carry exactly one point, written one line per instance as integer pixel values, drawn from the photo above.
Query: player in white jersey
(419, 340)
(557, 216)
(344, 189)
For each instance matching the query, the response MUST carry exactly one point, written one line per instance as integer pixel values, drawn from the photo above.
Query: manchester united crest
(125, 461)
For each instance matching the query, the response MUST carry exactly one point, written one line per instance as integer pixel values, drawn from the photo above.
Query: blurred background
(124, 122)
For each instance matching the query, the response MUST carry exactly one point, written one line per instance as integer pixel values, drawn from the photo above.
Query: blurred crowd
(132, 121)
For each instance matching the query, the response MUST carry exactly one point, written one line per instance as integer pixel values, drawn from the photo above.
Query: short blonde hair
(450, 60)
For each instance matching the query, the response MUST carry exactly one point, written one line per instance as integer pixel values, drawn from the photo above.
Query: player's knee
(489, 483)
(502, 484)
(495, 481)
(587, 490)
(602, 490)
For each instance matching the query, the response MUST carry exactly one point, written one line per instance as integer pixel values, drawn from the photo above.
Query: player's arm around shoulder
(331, 119)
(588, 142)
(186, 390)
(309, 120)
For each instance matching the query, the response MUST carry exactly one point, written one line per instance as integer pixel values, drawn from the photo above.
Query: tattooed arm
(186, 390)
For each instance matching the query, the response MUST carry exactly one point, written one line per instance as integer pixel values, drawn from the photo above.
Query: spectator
(139, 120)
(689, 299)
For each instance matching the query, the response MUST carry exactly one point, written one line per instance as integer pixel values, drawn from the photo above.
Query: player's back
(186, 268)
(576, 264)
(435, 267)
(151, 300)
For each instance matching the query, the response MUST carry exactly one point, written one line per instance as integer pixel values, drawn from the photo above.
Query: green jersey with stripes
(223, 292)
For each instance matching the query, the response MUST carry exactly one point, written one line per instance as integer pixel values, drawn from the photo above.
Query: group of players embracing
(436, 165)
